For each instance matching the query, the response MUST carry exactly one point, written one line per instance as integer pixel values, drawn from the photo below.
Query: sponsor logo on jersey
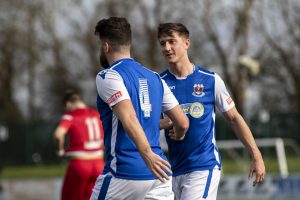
(114, 97)
(198, 90)
(196, 110)
(229, 100)
(186, 107)
(172, 87)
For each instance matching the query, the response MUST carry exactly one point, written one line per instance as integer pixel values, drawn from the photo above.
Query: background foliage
(49, 46)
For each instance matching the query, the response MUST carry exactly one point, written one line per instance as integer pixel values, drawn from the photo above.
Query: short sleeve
(110, 87)
(169, 100)
(66, 121)
(223, 101)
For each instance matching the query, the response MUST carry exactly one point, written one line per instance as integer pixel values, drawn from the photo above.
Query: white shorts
(109, 187)
(197, 185)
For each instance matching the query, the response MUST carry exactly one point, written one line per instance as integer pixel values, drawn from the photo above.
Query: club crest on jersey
(196, 110)
(198, 90)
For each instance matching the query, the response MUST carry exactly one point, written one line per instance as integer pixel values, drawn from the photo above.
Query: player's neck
(182, 69)
(80, 105)
(116, 57)
(113, 57)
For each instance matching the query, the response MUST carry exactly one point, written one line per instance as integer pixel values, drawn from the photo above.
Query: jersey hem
(219, 166)
(148, 177)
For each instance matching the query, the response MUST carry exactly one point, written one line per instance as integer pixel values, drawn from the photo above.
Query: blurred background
(47, 47)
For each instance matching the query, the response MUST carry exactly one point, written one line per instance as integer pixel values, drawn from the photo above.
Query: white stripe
(67, 117)
(214, 139)
(116, 64)
(206, 73)
(164, 75)
(80, 153)
(113, 142)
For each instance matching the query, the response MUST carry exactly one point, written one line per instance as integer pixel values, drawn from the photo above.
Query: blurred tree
(281, 29)
(61, 72)
(236, 34)
(47, 47)
(33, 11)
(9, 41)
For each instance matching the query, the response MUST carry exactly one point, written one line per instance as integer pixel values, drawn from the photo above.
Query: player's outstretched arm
(242, 131)
(126, 114)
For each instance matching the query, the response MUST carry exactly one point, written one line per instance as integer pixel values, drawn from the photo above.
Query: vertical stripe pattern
(208, 181)
(104, 188)
(113, 142)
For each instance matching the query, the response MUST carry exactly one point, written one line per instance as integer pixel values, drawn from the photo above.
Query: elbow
(181, 130)
(186, 125)
(57, 138)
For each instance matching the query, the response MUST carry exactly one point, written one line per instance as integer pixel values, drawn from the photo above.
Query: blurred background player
(195, 161)
(130, 101)
(84, 128)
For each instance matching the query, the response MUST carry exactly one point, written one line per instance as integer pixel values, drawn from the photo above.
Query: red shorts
(80, 179)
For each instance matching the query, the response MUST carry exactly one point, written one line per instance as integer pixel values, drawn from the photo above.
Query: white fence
(278, 143)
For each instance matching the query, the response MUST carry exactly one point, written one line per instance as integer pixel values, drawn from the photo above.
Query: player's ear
(187, 43)
(106, 47)
(68, 106)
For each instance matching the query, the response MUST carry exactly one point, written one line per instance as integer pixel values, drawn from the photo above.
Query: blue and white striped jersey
(198, 94)
(149, 94)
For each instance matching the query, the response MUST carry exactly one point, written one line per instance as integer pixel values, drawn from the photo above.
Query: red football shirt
(85, 130)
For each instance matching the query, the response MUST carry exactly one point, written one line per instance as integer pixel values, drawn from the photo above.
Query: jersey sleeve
(223, 101)
(66, 121)
(110, 87)
(169, 100)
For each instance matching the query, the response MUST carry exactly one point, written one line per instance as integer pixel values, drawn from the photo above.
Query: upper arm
(169, 100)
(223, 101)
(63, 126)
(60, 132)
(110, 87)
(124, 110)
(231, 115)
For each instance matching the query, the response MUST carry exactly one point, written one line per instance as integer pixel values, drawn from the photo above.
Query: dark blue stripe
(208, 181)
(104, 187)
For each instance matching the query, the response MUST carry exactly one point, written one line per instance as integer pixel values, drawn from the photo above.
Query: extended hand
(257, 167)
(165, 123)
(174, 136)
(61, 153)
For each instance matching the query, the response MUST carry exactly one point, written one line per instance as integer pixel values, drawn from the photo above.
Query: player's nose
(168, 46)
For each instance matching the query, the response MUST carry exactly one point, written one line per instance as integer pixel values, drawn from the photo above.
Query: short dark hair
(169, 28)
(114, 29)
(71, 95)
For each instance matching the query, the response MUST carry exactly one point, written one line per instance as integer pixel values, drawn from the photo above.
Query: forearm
(134, 130)
(126, 114)
(243, 132)
(179, 132)
(179, 120)
(59, 144)
(59, 137)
